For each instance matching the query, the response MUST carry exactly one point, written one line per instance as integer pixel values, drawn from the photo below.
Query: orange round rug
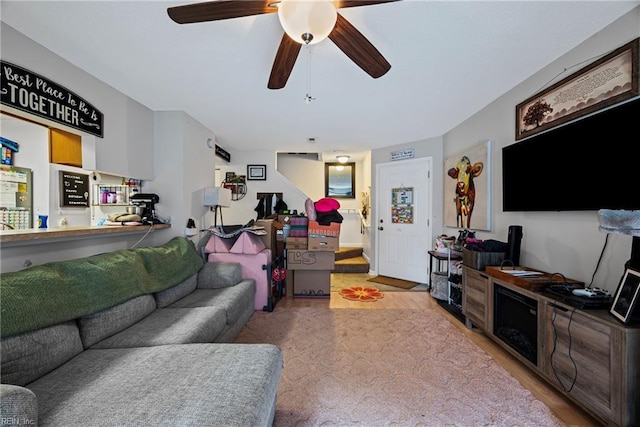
(360, 293)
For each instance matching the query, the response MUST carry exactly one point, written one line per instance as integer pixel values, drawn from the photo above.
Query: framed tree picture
(609, 80)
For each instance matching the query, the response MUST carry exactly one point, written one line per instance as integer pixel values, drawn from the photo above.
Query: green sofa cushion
(59, 291)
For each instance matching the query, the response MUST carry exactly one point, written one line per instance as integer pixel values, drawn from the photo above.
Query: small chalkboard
(74, 189)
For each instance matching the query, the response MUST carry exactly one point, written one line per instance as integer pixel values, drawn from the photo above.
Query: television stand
(586, 354)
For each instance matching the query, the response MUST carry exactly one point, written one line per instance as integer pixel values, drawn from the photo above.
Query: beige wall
(564, 242)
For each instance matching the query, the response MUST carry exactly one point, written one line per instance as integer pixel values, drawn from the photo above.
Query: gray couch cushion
(215, 275)
(195, 384)
(103, 324)
(173, 294)
(232, 300)
(18, 404)
(170, 326)
(30, 355)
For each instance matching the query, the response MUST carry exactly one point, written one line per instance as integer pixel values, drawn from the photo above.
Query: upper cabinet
(127, 146)
(140, 144)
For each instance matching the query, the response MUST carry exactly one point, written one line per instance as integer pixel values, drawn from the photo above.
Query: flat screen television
(588, 164)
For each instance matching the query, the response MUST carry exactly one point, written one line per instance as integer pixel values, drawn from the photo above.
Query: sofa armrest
(18, 404)
(215, 275)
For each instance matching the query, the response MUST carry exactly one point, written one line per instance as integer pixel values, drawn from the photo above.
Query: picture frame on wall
(340, 180)
(467, 188)
(626, 297)
(256, 172)
(609, 80)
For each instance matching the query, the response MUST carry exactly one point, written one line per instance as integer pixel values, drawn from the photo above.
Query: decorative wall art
(340, 180)
(467, 189)
(257, 172)
(364, 200)
(402, 205)
(32, 93)
(607, 81)
(237, 185)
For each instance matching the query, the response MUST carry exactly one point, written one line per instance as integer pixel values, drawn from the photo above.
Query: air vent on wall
(309, 156)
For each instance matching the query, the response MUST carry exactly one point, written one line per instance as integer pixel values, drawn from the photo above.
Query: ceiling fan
(340, 31)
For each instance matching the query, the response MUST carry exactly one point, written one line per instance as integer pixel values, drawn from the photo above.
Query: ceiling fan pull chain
(308, 98)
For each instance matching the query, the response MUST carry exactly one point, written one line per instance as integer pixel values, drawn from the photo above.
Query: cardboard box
(317, 230)
(331, 244)
(297, 243)
(298, 259)
(288, 283)
(312, 284)
(270, 238)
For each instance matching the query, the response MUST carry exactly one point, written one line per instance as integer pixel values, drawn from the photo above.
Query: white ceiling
(448, 59)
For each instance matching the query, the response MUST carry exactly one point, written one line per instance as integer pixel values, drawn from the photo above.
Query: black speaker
(634, 261)
(513, 244)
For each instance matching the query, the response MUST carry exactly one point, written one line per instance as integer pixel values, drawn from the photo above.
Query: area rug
(387, 367)
(390, 281)
(361, 293)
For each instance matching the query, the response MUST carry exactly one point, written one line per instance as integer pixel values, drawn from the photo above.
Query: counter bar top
(37, 235)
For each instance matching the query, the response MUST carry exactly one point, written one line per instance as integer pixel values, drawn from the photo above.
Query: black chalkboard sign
(74, 189)
(222, 153)
(35, 94)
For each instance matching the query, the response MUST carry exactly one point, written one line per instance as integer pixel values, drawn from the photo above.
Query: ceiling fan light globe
(314, 17)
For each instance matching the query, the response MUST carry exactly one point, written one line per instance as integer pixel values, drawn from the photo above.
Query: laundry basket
(439, 285)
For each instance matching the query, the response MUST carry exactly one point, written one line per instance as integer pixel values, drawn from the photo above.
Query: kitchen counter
(38, 235)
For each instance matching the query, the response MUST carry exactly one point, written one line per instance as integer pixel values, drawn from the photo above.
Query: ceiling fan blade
(217, 10)
(284, 62)
(358, 48)
(351, 3)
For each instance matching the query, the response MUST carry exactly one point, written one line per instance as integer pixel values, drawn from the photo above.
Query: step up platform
(350, 260)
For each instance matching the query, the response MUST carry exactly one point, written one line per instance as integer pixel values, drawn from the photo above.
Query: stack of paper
(522, 273)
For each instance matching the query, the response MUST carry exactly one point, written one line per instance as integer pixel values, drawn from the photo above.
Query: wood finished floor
(564, 409)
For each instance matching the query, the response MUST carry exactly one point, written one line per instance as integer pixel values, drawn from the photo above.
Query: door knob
(380, 228)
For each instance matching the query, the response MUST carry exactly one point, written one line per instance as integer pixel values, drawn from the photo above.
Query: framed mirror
(340, 180)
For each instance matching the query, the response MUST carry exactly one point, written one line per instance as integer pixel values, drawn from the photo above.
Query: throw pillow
(310, 209)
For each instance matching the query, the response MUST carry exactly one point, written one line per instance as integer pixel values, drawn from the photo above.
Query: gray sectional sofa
(133, 337)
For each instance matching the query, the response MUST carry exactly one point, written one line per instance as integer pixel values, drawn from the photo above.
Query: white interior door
(403, 231)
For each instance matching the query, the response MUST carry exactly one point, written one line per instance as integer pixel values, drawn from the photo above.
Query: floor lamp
(216, 198)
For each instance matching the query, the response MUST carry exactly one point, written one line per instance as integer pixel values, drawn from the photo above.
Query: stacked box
(268, 239)
(312, 284)
(318, 230)
(311, 272)
(297, 243)
(324, 237)
(298, 259)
